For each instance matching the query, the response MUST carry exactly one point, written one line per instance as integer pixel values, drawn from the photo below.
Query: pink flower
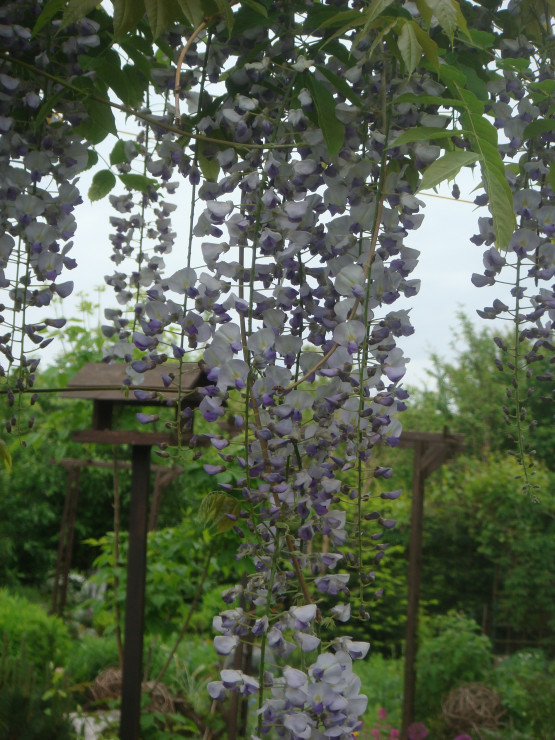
(417, 731)
(382, 713)
(394, 735)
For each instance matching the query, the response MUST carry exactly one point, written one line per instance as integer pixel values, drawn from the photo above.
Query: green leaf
(409, 46)
(424, 133)
(356, 19)
(138, 182)
(446, 13)
(127, 14)
(77, 9)
(92, 158)
(257, 7)
(445, 168)
(452, 76)
(5, 456)
(102, 182)
(208, 164)
(429, 46)
(540, 126)
(127, 83)
(137, 84)
(193, 11)
(332, 129)
(160, 14)
(386, 28)
(341, 86)
(374, 9)
(345, 18)
(482, 38)
(545, 86)
(117, 155)
(48, 12)
(474, 83)
(520, 64)
(132, 47)
(461, 21)
(483, 136)
(552, 176)
(425, 11)
(214, 508)
(99, 123)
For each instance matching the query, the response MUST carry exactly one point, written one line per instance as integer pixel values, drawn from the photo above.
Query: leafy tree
(470, 396)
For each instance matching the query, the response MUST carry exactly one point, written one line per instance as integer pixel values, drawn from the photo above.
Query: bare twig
(180, 59)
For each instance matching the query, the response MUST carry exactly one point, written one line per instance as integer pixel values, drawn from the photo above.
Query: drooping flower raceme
(42, 152)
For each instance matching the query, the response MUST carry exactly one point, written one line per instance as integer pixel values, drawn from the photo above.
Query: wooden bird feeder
(104, 386)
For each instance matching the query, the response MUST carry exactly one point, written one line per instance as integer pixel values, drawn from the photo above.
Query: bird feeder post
(135, 596)
(103, 385)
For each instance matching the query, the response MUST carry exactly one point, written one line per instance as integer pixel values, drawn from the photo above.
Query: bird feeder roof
(98, 381)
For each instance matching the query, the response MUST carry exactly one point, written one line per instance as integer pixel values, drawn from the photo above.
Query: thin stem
(180, 59)
(191, 222)
(263, 640)
(363, 368)
(142, 224)
(516, 385)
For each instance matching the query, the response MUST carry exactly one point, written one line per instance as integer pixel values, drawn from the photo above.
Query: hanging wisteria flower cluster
(42, 152)
(301, 134)
(302, 237)
(521, 104)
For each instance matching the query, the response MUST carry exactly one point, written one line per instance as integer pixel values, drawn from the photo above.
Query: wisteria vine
(309, 130)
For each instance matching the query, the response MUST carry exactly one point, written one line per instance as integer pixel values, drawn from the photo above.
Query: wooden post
(135, 596)
(65, 542)
(415, 563)
(72, 514)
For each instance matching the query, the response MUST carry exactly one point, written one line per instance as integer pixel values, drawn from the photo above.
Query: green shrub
(175, 562)
(91, 655)
(22, 623)
(526, 682)
(33, 701)
(451, 654)
(382, 683)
